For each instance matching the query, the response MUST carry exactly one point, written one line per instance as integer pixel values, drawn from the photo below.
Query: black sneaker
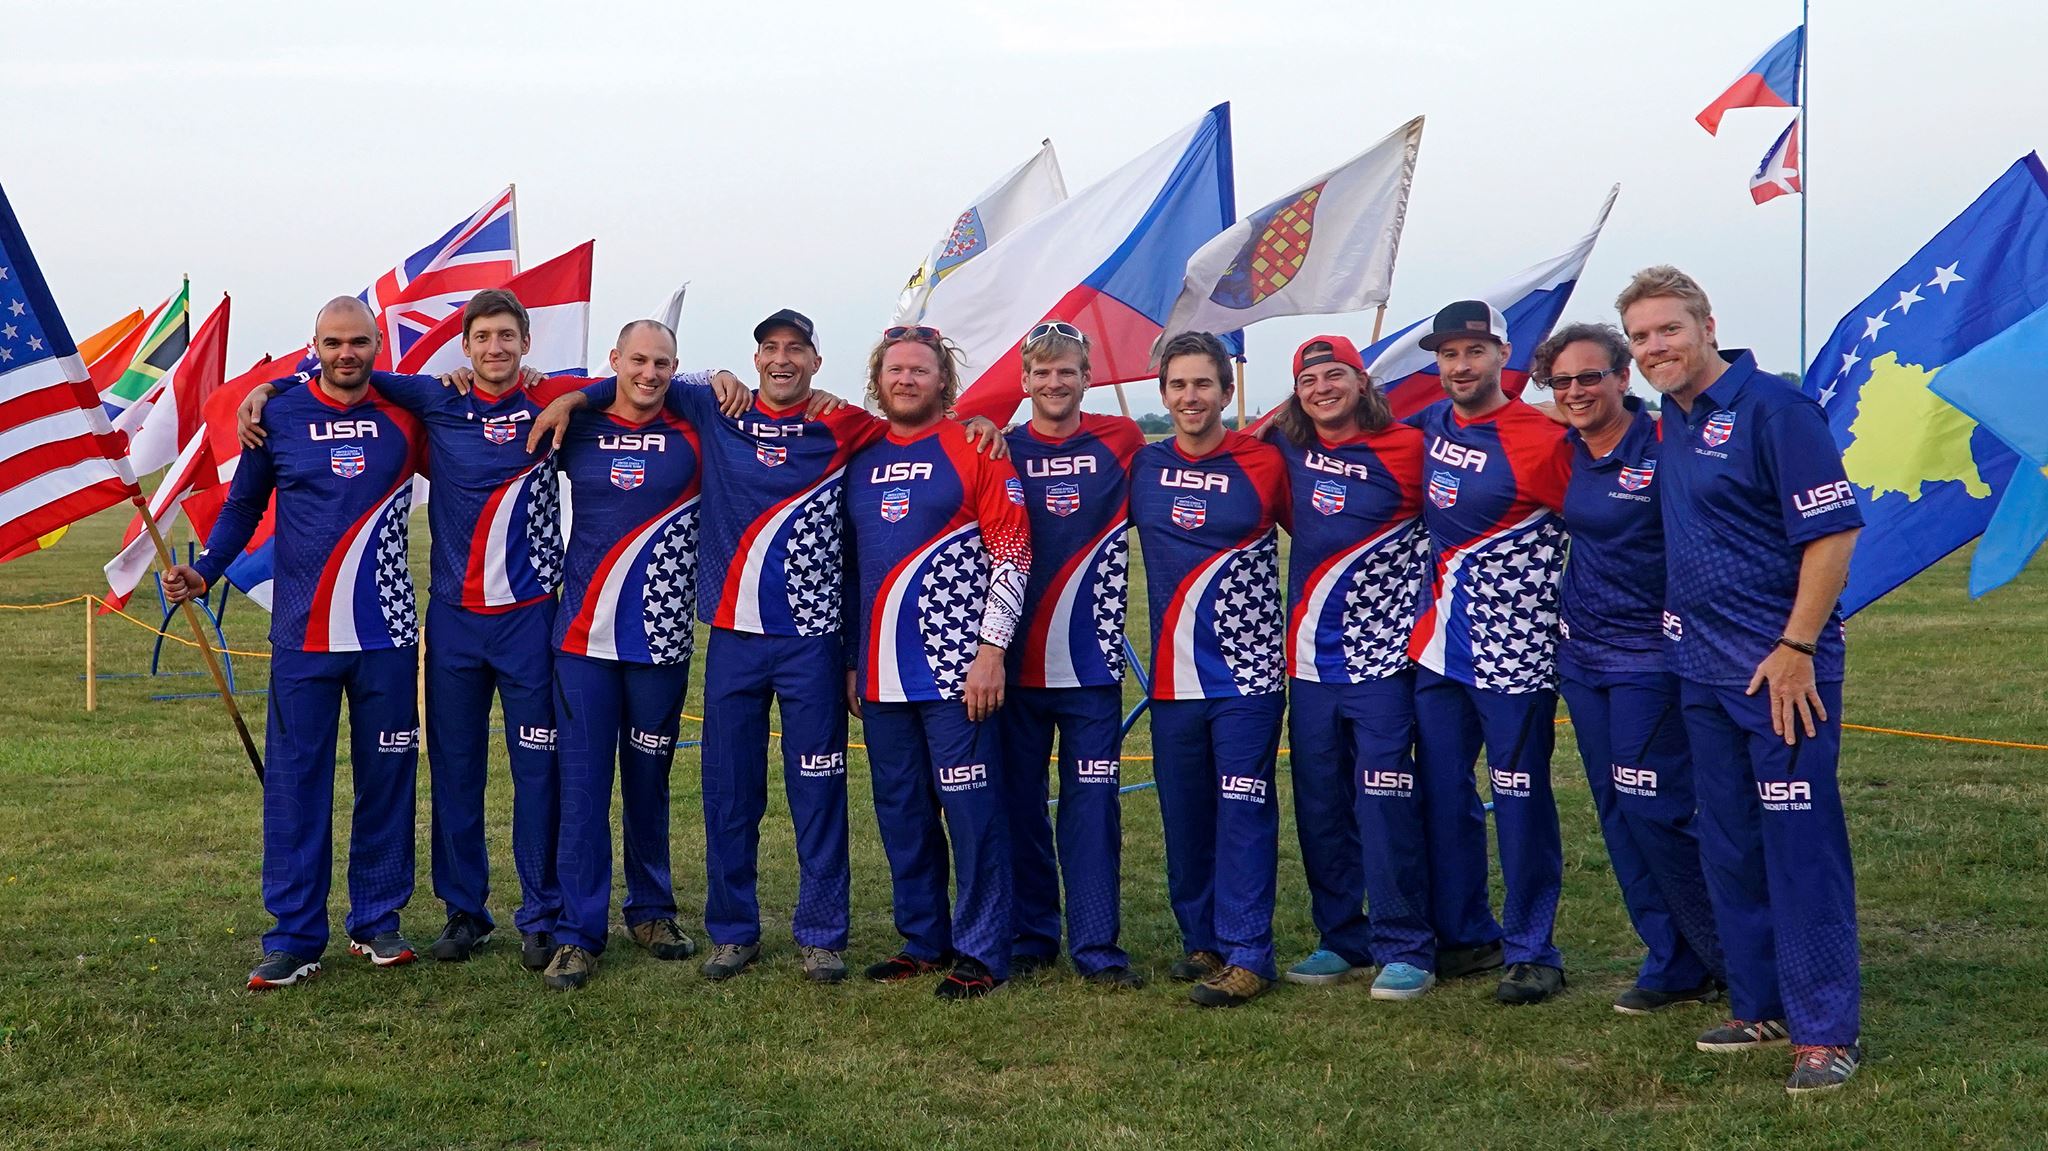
(1737, 1035)
(663, 939)
(1649, 1001)
(460, 939)
(902, 966)
(386, 949)
(1527, 983)
(1121, 978)
(569, 968)
(281, 969)
(1458, 962)
(729, 959)
(1818, 1068)
(1195, 966)
(1022, 965)
(535, 949)
(969, 979)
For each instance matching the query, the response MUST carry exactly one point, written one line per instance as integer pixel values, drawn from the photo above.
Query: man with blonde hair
(1759, 524)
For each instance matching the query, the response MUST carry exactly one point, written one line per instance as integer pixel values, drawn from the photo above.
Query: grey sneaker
(281, 969)
(729, 959)
(385, 949)
(1739, 1035)
(1818, 1068)
(663, 939)
(823, 965)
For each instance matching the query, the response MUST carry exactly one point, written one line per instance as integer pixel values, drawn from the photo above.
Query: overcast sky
(807, 154)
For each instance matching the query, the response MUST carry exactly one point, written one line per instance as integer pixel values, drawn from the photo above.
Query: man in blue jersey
(1486, 682)
(1759, 524)
(1066, 667)
(1611, 664)
(340, 460)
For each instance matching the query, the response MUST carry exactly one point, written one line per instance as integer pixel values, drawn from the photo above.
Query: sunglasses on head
(1054, 328)
(1582, 379)
(917, 332)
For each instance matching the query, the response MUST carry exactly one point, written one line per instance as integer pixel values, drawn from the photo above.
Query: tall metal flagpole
(1805, 167)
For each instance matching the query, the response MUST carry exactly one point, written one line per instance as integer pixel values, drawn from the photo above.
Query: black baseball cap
(1467, 318)
(788, 318)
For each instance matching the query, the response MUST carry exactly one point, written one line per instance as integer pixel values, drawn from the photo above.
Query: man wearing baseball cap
(1494, 480)
(1358, 563)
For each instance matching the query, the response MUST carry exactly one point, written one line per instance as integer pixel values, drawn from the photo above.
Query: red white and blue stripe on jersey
(1359, 556)
(633, 539)
(1493, 488)
(1077, 496)
(1209, 528)
(343, 478)
(942, 548)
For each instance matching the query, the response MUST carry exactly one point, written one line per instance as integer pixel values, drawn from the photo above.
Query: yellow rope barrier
(154, 629)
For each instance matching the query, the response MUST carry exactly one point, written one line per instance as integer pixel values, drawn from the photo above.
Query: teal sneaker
(1322, 967)
(1402, 981)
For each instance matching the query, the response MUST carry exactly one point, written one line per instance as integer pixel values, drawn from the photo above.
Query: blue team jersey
(1611, 599)
(1492, 488)
(1751, 476)
(1077, 495)
(1210, 530)
(343, 478)
(942, 549)
(632, 538)
(1359, 556)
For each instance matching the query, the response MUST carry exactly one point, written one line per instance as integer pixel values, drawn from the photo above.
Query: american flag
(60, 460)
(434, 282)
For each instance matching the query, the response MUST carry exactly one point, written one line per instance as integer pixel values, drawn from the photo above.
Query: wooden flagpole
(92, 678)
(1240, 393)
(1378, 318)
(1121, 402)
(220, 679)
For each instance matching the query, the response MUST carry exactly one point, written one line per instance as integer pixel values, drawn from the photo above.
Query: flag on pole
(1022, 192)
(1109, 260)
(60, 460)
(1770, 81)
(168, 415)
(154, 356)
(103, 345)
(1999, 384)
(108, 365)
(672, 313)
(556, 295)
(1532, 300)
(1778, 175)
(1927, 475)
(1327, 246)
(434, 282)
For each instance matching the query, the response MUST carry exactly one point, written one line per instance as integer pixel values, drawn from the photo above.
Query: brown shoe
(1231, 987)
(663, 939)
(1195, 966)
(570, 968)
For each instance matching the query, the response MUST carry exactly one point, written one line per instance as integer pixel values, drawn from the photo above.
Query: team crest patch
(1190, 512)
(1063, 499)
(1014, 488)
(771, 455)
(895, 504)
(1720, 426)
(500, 432)
(1328, 497)
(1636, 479)
(628, 472)
(346, 462)
(1271, 258)
(1443, 489)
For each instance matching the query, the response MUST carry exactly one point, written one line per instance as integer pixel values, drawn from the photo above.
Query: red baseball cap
(1325, 350)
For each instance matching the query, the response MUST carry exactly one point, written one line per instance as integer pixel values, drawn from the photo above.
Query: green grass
(129, 912)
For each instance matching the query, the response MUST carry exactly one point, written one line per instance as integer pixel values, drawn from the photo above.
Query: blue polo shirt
(1750, 476)
(1611, 599)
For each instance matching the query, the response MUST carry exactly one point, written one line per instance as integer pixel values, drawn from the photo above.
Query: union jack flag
(434, 282)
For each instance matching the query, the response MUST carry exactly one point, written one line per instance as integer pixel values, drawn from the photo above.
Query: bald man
(340, 460)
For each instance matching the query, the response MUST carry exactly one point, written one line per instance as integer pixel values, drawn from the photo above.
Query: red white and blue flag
(1109, 260)
(556, 295)
(1770, 81)
(1778, 175)
(60, 460)
(434, 282)
(1532, 300)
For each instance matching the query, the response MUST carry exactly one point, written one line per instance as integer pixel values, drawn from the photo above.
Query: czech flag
(1532, 300)
(1770, 81)
(1109, 260)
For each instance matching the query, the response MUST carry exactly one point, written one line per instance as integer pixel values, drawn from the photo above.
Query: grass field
(129, 913)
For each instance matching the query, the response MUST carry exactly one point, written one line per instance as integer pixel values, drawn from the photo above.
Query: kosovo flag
(1926, 474)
